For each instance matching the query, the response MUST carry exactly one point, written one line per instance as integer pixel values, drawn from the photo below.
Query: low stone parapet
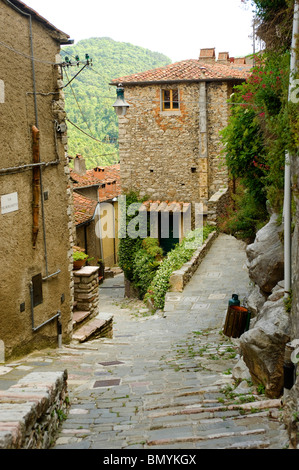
(32, 410)
(217, 206)
(181, 277)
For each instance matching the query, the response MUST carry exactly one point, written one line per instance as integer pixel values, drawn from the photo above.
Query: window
(170, 99)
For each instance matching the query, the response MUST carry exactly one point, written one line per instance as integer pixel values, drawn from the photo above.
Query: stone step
(200, 408)
(198, 438)
(95, 328)
(79, 316)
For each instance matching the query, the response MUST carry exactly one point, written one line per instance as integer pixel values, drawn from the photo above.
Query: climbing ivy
(146, 262)
(128, 246)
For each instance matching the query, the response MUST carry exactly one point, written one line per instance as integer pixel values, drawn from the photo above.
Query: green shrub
(244, 215)
(173, 261)
(262, 126)
(152, 247)
(128, 246)
(146, 262)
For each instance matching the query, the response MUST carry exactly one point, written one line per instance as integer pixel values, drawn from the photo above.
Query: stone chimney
(79, 165)
(223, 58)
(207, 55)
(240, 60)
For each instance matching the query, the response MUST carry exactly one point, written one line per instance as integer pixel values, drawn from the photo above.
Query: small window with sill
(170, 99)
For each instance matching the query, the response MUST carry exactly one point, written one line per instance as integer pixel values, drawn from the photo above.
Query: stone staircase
(210, 409)
(85, 328)
(197, 418)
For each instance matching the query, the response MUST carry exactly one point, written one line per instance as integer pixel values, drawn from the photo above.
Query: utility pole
(287, 175)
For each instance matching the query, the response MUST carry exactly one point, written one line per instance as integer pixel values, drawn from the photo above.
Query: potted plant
(79, 259)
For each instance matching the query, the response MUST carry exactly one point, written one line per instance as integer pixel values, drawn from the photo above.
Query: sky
(175, 28)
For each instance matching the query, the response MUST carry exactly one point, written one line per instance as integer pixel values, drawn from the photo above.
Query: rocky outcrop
(263, 345)
(255, 301)
(265, 256)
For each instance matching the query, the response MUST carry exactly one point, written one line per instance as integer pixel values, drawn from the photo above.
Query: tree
(262, 126)
(93, 126)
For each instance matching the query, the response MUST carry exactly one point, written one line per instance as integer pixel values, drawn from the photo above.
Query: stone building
(36, 221)
(169, 139)
(95, 198)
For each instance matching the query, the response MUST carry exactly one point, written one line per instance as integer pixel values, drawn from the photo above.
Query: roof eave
(19, 5)
(88, 221)
(196, 80)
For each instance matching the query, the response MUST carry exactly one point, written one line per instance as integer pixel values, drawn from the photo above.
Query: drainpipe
(287, 181)
(203, 142)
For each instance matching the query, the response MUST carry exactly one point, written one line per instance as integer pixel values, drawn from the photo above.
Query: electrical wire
(27, 55)
(85, 121)
(90, 136)
(81, 112)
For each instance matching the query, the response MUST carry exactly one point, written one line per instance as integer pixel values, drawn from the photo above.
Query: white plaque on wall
(2, 92)
(9, 203)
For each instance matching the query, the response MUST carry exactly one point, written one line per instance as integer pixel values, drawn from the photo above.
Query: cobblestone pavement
(164, 381)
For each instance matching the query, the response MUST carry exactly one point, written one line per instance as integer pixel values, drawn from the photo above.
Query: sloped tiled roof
(110, 181)
(188, 70)
(106, 178)
(84, 208)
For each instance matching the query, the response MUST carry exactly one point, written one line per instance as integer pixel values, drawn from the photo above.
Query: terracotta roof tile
(106, 178)
(84, 208)
(80, 181)
(188, 70)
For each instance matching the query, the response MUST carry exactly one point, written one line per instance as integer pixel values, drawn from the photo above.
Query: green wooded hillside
(89, 98)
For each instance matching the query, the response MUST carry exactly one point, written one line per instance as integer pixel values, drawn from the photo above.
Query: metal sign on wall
(2, 92)
(9, 203)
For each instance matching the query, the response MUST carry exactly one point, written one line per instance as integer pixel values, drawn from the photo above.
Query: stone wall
(217, 205)
(32, 410)
(217, 120)
(159, 148)
(182, 276)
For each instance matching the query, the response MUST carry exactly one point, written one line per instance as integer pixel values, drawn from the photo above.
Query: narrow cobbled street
(164, 380)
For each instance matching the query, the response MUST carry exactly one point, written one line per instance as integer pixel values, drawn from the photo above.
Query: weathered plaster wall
(19, 260)
(107, 223)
